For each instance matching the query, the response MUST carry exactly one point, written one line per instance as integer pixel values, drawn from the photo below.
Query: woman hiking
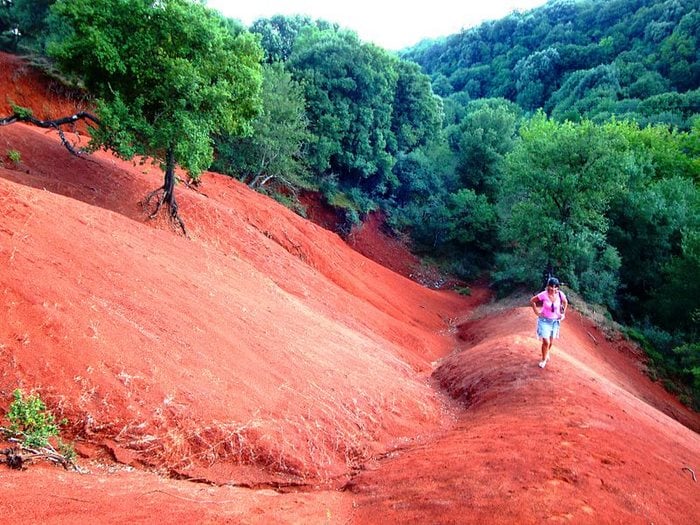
(549, 315)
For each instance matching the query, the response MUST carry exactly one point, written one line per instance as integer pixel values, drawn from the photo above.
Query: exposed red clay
(262, 371)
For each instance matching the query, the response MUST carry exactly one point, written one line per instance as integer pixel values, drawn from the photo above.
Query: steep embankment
(262, 338)
(261, 348)
(263, 352)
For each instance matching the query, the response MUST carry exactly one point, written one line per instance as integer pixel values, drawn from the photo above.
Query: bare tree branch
(53, 124)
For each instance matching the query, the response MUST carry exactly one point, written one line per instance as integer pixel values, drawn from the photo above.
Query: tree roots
(163, 197)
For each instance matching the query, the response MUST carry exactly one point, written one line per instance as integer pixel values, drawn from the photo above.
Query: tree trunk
(169, 182)
(168, 192)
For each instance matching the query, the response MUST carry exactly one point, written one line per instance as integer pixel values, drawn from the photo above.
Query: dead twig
(19, 454)
(193, 185)
(692, 473)
(17, 457)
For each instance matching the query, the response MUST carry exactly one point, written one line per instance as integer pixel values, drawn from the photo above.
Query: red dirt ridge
(263, 371)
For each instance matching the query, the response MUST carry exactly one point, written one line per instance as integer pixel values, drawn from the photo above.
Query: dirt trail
(261, 371)
(573, 442)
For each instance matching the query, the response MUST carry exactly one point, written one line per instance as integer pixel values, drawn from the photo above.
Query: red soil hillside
(262, 371)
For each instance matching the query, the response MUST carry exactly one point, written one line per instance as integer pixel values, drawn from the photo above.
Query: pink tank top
(551, 310)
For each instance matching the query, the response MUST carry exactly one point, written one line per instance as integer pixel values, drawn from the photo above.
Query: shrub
(14, 156)
(30, 421)
(21, 112)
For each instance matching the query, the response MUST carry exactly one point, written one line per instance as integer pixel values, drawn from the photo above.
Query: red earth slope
(262, 353)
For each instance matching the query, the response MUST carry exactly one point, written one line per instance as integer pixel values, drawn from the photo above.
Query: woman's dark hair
(553, 281)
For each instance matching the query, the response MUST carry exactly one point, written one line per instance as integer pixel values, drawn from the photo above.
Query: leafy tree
(470, 236)
(688, 356)
(648, 220)
(559, 181)
(278, 34)
(426, 221)
(674, 305)
(416, 112)
(166, 75)
(678, 109)
(537, 76)
(441, 85)
(365, 108)
(9, 32)
(417, 178)
(460, 226)
(274, 149)
(424, 173)
(455, 108)
(679, 53)
(586, 94)
(691, 146)
(647, 84)
(32, 22)
(23, 24)
(349, 87)
(487, 133)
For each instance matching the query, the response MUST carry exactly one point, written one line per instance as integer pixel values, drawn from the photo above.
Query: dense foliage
(364, 106)
(577, 59)
(166, 76)
(24, 25)
(568, 135)
(273, 151)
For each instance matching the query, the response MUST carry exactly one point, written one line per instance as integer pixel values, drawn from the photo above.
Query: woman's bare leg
(546, 347)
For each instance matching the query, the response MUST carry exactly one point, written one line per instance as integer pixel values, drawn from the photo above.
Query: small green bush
(30, 421)
(21, 111)
(67, 450)
(14, 156)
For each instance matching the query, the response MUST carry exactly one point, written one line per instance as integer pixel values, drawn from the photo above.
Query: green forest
(568, 135)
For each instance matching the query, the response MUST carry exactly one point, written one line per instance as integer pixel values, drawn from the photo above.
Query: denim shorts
(547, 328)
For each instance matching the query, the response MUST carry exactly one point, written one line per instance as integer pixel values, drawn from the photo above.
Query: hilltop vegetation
(635, 59)
(566, 135)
